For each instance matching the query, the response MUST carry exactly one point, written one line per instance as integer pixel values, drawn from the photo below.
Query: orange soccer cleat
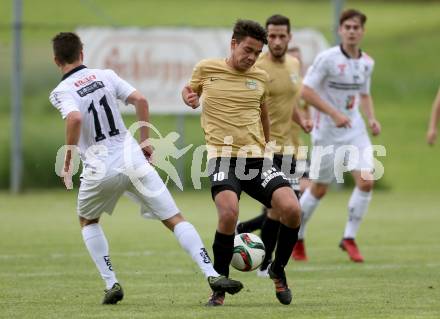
(299, 251)
(349, 245)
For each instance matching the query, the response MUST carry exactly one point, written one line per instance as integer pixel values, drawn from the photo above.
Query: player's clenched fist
(190, 97)
(307, 126)
(66, 173)
(341, 120)
(374, 126)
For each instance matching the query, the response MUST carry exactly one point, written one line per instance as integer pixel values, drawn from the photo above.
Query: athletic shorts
(330, 161)
(97, 197)
(257, 177)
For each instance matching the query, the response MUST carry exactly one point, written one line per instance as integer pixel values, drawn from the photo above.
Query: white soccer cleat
(262, 273)
(236, 227)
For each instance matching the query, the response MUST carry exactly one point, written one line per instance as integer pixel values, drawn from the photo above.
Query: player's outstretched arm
(73, 132)
(368, 108)
(431, 135)
(313, 98)
(190, 97)
(142, 113)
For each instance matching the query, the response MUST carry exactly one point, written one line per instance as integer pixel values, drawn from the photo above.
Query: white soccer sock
(190, 240)
(308, 204)
(357, 208)
(97, 245)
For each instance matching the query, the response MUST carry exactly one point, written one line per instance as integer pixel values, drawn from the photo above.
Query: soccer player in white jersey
(336, 84)
(87, 100)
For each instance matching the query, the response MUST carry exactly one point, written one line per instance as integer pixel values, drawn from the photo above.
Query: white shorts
(330, 161)
(97, 197)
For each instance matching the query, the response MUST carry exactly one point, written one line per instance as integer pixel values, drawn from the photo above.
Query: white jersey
(339, 80)
(94, 93)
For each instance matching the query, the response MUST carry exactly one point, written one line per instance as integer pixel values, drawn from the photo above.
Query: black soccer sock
(269, 235)
(287, 238)
(222, 248)
(253, 224)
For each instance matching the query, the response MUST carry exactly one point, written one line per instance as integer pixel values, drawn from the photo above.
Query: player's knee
(85, 222)
(318, 190)
(227, 209)
(366, 185)
(170, 223)
(228, 215)
(290, 212)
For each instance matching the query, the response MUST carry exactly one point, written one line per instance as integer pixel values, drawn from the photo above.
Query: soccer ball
(248, 252)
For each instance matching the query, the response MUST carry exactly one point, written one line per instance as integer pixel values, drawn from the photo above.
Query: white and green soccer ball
(248, 252)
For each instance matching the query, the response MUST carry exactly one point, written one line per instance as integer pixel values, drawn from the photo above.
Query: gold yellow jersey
(284, 90)
(231, 107)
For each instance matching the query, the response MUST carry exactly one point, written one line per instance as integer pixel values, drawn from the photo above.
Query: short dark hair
(67, 47)
(278, 19)
(249, 28)
(352, 13)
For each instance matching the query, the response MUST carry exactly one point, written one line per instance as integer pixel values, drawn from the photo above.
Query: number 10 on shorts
(219, 176)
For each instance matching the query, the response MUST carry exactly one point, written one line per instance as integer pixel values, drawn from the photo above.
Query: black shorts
(257, 177)
(289, 169)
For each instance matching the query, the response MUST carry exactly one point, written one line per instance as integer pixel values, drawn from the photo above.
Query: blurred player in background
(431, 135)
(336, 84)
(284, 91)
(301, 159)
(235, 122)
(87, 100)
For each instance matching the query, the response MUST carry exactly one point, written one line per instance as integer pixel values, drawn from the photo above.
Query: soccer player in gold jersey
(235, 122)
(284, 90)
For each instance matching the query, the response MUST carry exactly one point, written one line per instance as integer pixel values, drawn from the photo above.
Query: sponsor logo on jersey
(294, 78)
(344, 86)
(342, 68)
(90, 88)
(85, 80)
(251, 84)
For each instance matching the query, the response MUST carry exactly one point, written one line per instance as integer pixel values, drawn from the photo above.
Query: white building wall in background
(159, 61)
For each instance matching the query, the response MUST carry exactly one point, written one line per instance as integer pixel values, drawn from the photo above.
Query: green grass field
(45, 271)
